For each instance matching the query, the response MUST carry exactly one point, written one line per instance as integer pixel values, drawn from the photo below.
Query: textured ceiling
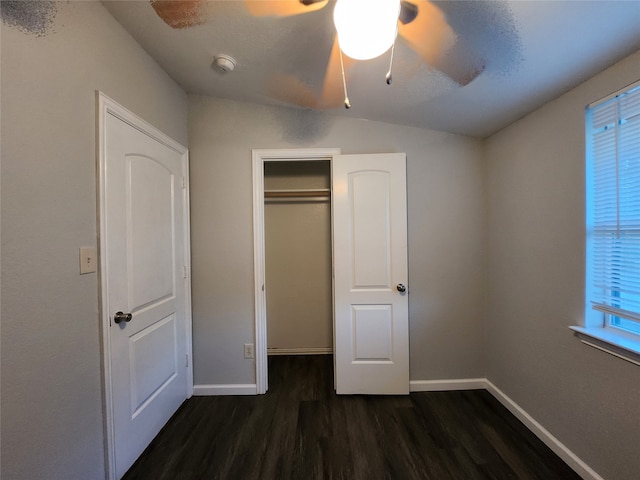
(530, 52)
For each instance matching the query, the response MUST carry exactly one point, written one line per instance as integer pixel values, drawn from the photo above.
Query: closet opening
(305, 185)
(298, 268)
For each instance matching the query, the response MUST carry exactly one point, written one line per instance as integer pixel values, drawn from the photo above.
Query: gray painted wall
(535, 182)
(446, 232)
(534, 175)
(52, 424)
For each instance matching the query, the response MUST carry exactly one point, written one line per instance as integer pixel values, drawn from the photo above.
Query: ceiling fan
(420, 24)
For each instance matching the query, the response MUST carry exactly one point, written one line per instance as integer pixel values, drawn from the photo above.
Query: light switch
(88, 260)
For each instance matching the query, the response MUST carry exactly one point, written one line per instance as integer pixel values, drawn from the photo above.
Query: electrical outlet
(248, 350)
(88, 260)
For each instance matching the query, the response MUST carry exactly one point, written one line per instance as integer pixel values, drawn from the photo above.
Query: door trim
(106, 106)
(259, 157)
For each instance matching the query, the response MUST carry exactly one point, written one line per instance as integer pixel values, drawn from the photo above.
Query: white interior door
(144, 266)
(370, 268)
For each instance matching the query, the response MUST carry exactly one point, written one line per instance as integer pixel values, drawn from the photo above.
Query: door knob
(122, 317)
(401, 287)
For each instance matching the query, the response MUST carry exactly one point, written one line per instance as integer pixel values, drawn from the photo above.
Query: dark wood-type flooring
(301, 430)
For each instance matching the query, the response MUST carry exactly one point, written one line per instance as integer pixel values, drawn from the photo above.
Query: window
(613, 214)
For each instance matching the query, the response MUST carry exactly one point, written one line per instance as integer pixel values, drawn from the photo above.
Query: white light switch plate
(88, 260)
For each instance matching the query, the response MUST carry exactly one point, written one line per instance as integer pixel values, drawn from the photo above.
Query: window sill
(610, 341)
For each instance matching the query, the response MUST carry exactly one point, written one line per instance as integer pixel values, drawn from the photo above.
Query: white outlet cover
(88, 260)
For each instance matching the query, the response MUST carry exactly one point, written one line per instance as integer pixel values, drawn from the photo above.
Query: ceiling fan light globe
(366, 28)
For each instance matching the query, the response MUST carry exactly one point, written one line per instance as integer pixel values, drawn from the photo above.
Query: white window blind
(613, 208)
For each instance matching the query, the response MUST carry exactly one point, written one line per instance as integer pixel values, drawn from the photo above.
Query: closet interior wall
(298, 261)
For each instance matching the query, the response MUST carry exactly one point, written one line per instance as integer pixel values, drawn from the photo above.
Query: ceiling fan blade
(408, 11)
(283, 8)
(291, 90)
(429, 34)
(181, 13)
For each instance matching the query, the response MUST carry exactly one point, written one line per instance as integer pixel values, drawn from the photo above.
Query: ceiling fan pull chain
(347, 104)
(389, 77)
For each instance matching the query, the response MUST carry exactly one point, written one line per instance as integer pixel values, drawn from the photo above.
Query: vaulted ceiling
(490, 62)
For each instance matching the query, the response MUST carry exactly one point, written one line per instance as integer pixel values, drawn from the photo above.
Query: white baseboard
(231, 389)
(300, 351)
(570, 458)
(444, 385)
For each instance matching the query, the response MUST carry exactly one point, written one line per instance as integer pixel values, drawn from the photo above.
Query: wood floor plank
(301, 430)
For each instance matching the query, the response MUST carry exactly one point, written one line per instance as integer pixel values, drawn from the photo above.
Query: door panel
(370, 259)
(151, 230)
(369, 192)
(145, 257)
(372, 333)
(153, 362)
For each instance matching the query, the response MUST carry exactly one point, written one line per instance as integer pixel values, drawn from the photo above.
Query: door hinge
(186, 360)
(185, 271)
(184, 182)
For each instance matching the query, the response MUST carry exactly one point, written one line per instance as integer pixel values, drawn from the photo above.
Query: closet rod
(297, 193)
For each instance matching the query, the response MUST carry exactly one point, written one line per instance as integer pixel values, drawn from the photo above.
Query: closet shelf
(298, 193)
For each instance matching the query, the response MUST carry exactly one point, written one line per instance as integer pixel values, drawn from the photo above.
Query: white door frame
(259, 158)
(107, 106)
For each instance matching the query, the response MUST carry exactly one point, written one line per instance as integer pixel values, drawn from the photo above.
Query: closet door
(370, 268)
